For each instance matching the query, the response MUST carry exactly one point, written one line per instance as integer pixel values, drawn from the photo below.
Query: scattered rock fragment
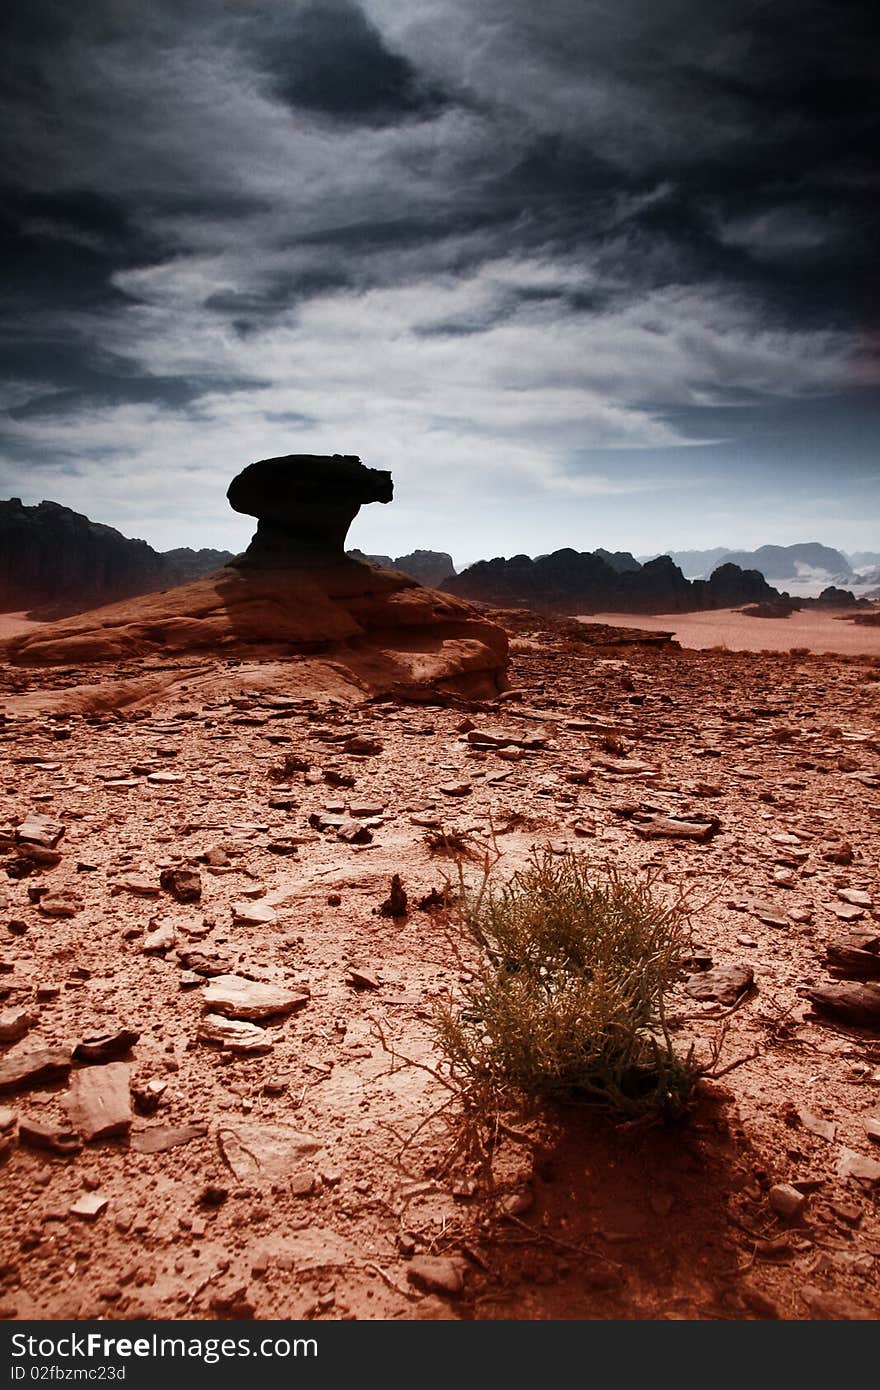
(723, 983)
(856, 896)
(361, 979)
(89, 1206)
(824, 1129)
(435, 1274)
(183, 884)
(147, 1095)
(395, 905)
(39, 830)
(57, 1139)
(233, 1034)
(257, 914)
(354, 832)
(105, 1047)
(456, 788)
(362, 746)
(160, 1138)
(99, 1101)
(159, 938)
(14, 1023)
(61, 904)
(233, 996)
(30, 1069)
(871, 1126)
(786, 1201)
(849, 1001)
(257, 1152)
(834, 1306)
(856, 954)
(770, 915)
(200, 963)
(839, 854)
(864, 1169)
(674, 828)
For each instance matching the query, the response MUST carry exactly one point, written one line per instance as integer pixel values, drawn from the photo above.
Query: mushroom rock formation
(293, 594)
(304, 505)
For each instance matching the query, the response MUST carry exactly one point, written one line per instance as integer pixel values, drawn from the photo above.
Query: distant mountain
(793, 561)
(776, 562)
(190, 564)
(694, 564)
(864, 559)
(570, 581)
(429, 567)
(619, 560)
(55, 558)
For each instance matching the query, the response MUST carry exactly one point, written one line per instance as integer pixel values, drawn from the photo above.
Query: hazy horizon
(579, 275)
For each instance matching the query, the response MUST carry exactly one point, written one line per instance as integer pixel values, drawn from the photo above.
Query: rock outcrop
(304, 505)
(568, 581)
(57, 559)
(431, 567)
(294, 593)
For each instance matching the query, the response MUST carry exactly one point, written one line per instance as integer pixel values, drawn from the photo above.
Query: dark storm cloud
(643, 220)
(325, 56)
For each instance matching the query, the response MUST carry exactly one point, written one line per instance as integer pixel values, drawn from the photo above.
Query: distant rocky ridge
(55, 559)
(776, 562)
(429, 567)
(569, 581)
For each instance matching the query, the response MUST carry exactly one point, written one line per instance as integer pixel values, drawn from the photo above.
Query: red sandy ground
(730, 627)
(606, 1221)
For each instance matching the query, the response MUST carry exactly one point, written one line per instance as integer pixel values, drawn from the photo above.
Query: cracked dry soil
(269, 1153)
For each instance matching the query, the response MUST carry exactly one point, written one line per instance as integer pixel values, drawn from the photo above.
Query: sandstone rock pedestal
(294, 593)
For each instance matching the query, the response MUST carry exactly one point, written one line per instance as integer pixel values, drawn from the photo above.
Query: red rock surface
(378, 630)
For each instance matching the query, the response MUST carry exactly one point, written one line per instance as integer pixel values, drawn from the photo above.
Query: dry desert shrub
(568, 998)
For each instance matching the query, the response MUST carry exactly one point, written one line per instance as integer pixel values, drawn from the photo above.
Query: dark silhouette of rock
(569, 581)
(729, 585)
(385, 561)
(619, 560)
(304, 505)
(832, 597)
(56, 561)
(189, 564)
(429, 567)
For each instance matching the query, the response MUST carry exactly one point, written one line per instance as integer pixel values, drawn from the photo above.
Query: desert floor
(325, 1175)
(729, 627)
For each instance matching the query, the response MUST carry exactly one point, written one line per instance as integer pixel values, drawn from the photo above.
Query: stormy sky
(583, 272)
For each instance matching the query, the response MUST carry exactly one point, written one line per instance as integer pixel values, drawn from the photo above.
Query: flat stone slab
(14, 1023)
(258, 914)
(264, 1153)
(35, 1068)
(162, 1137)
(99, 1100)
(235, 997)
(56, 1139)
(40, 830)
(852, 1164)
(105, 1047)
(671, 828)
(850, 1001)
(435, 1274)
(233, 1034)
(724, 983)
